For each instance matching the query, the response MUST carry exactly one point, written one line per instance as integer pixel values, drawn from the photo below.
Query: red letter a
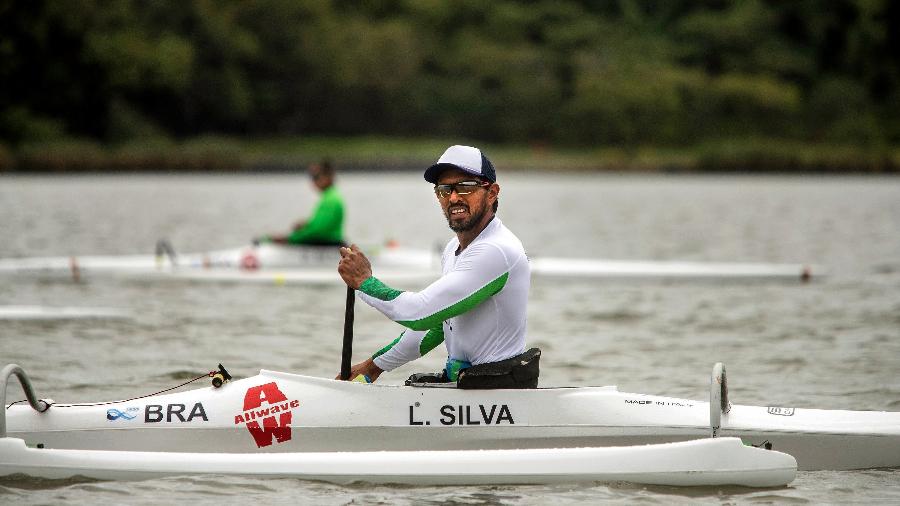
(268, 393)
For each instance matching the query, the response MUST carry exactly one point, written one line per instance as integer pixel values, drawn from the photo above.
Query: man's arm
(479, 275)
(410, 345)
(474, 278)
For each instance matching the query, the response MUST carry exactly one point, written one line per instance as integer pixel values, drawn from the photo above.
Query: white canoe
(316, 276)
(316, 264)
(49, 313)
(638, 269)
(281, 412)
(711, 462)
(245, 258)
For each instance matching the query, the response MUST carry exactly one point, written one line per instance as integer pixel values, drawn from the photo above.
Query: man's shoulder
(331, 194)
(504, 237)
(498, 239)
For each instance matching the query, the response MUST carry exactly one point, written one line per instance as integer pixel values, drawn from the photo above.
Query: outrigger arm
(38, 404)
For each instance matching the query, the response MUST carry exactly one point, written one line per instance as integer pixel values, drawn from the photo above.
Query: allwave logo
(129, 414)
(276, 416)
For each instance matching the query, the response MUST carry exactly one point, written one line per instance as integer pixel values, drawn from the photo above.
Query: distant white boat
(42, 313)
(316, 264)
(646, 269)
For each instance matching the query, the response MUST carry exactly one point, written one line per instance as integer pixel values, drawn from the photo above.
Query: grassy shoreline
(239, 155)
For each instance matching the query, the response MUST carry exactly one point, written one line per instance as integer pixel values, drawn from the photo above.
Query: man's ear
(494, 190)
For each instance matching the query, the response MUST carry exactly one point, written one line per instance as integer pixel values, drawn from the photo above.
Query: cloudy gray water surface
(833, 343)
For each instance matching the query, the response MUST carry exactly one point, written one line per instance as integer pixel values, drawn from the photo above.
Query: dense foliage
(660, 72)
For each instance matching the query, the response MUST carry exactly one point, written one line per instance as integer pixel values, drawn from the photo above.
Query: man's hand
(367, 367)
(354, 267)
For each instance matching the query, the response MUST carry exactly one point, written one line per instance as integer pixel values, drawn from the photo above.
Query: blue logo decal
(128, 414)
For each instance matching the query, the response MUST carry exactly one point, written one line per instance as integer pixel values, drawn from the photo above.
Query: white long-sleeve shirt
(478, 306)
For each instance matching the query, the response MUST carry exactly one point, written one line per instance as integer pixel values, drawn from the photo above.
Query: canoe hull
(285, 413)
(710, 462)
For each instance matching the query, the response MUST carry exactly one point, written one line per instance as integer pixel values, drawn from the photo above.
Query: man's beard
(466, 225)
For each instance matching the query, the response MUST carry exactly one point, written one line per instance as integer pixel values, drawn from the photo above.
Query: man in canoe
(477, 307)
(326, 225)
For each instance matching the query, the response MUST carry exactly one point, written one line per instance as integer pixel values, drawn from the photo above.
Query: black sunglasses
(461, 188)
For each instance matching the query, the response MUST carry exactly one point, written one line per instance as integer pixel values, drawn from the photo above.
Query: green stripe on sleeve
(431, 340)
(386, 348)
(459, 308)
(375, 288)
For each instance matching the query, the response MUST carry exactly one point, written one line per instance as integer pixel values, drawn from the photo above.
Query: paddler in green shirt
(326, 225)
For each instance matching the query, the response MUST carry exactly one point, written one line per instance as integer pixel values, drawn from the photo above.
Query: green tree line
(568, 73)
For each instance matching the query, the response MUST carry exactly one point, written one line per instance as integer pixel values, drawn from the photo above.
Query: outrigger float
(280, 424)
(315, 264)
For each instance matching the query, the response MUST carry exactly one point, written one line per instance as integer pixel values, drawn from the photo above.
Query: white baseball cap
(464, 158)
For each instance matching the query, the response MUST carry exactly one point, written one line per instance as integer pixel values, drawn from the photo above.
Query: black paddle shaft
(347, 352)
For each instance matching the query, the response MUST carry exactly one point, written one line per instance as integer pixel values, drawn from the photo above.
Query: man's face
(319, 178)
(465, 212)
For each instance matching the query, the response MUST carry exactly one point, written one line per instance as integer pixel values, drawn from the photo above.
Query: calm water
(833, 343)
